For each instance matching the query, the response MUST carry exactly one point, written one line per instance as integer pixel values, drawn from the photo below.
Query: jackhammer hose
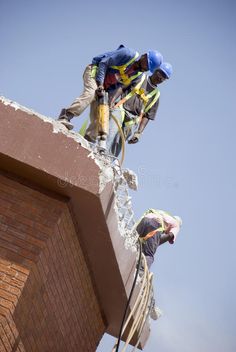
(130, 296)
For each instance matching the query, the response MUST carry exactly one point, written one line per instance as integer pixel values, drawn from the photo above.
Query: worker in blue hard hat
(122, 66)
(137, 106)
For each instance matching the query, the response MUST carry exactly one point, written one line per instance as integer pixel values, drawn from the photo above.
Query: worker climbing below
(136, 107)
(155, 228)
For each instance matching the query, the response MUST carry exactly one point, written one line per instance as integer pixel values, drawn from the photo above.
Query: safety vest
(155, 94)
(125, 79)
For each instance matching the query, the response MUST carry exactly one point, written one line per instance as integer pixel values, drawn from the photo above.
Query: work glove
(100, 91)
(135, 138)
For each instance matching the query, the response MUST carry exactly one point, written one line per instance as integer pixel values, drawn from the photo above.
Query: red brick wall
(47, 301)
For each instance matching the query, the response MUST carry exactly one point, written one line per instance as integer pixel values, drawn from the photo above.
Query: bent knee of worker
(84, 100)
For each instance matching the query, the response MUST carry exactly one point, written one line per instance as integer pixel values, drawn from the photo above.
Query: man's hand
(135, 138)
(166, 237)
(100, 91)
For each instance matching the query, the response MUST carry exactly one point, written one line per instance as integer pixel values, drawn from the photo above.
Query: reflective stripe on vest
(156, 94)
(125, 79)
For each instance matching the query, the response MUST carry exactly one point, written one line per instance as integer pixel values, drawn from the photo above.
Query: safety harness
(160, 229)
(153, 96)
(125, 79)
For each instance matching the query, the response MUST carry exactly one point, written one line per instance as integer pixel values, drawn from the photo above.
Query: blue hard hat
(154, 60)
(166, 68)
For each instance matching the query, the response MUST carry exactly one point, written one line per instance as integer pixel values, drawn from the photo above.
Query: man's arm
(150, 115)
(166, 237)
(114, 58)
(141, 128)
(101, 72)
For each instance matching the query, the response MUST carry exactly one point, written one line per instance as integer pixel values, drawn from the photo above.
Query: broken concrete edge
(57, 126)
(105, 174)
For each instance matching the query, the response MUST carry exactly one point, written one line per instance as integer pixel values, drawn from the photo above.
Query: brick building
(65, 273)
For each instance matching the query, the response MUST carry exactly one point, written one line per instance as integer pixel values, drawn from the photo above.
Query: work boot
(65, 117)
(89, 138)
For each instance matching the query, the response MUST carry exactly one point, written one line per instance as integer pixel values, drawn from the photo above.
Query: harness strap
(156, 94)
(160, 229)
(94, 71)
(123, 67)
(132, 92)
(126, 80)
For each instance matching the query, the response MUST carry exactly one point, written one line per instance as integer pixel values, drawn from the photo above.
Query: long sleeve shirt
(118, 57)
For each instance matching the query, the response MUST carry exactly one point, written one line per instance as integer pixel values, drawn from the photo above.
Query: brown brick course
(47, 300)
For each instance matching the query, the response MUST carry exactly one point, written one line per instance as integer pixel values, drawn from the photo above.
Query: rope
(129, 299)
(140, 310)
(140, 330)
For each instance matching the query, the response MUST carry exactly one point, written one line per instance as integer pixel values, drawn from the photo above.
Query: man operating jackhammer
(136, 107)
(122, 66)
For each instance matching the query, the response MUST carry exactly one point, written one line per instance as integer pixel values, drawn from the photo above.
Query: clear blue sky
(186, 158)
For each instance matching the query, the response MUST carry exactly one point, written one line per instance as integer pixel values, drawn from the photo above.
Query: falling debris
(131, 179)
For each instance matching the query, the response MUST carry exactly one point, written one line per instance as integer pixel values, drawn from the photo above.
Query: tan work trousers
(88, 95)
(85, 99)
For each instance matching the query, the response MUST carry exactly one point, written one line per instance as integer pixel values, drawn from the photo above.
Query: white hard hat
(178, 218)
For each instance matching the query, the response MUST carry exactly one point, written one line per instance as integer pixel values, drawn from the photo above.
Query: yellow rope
(139, 310)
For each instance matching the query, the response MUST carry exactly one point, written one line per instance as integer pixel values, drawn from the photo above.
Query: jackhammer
(102, 120)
